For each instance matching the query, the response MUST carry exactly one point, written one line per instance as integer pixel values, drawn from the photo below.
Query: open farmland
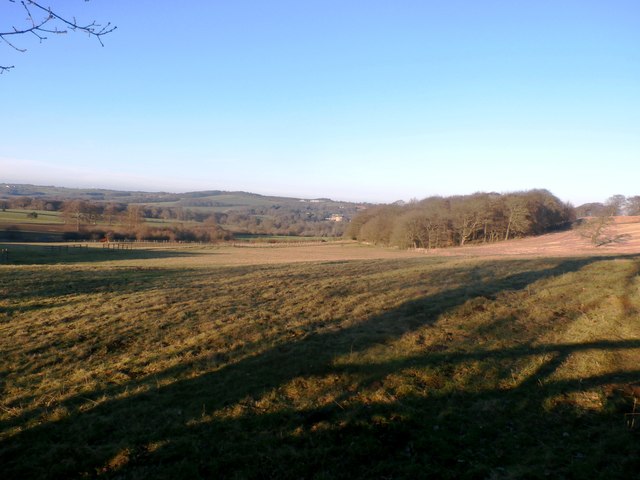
(569, 242)
(331, 360)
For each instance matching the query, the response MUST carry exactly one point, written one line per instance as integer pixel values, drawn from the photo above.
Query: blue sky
(354, 100)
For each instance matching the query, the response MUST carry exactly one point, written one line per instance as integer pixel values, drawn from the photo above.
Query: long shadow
(163, 436)
(559, 351)
(22, 254)
(466, 434)
(37, 283)
(8, 311)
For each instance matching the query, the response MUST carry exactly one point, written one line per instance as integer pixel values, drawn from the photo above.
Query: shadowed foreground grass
(363, 369)
(65, 254)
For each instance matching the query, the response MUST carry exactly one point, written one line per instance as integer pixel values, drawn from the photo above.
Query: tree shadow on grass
(25, 254)
(38, 283)
(215, 425)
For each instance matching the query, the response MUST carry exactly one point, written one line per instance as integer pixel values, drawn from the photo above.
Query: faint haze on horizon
(149, 187)
(363, 101)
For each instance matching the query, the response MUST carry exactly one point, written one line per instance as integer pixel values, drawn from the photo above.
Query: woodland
(196, 216)
(438, 222)
(212, 216)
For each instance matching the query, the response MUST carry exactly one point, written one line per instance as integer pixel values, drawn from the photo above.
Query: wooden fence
(66, 248)
(117, 246)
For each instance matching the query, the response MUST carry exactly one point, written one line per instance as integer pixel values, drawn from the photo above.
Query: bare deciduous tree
(616, 204)
(41, 21)
(74, 212)
(134, 216)
(633, 205)
(517, 215)
(600, 229)
(437, 222)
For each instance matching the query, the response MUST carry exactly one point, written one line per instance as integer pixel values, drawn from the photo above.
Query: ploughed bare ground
(566, 243)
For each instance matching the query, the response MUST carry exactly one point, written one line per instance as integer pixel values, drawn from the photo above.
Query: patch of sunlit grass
(141, 369)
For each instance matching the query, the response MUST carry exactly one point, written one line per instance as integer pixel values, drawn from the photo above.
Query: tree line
(614, 205)
(434, 222)
(162, 222)
(438, 222)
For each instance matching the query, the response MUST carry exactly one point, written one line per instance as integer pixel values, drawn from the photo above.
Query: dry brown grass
(567, 243)
(326, 361)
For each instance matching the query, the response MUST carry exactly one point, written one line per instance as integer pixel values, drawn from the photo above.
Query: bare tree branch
(43, 20)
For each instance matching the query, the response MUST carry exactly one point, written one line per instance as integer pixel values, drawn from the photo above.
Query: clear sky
(355, 100)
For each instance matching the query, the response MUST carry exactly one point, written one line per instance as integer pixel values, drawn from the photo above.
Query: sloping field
(562, 243)
(320, 361)
(569, 243)
(200, 256)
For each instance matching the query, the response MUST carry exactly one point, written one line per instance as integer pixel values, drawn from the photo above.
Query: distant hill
(207, 198)
(96, 212)
(8, 190)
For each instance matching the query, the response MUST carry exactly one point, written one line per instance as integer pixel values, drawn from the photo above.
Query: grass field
(317, 361)
(266, 238)
(22, 216)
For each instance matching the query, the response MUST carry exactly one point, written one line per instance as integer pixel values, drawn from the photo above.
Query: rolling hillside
(559, 244)
(233, 212)
(217, 199)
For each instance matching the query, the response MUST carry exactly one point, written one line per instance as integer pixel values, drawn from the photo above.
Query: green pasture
(24, 217)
